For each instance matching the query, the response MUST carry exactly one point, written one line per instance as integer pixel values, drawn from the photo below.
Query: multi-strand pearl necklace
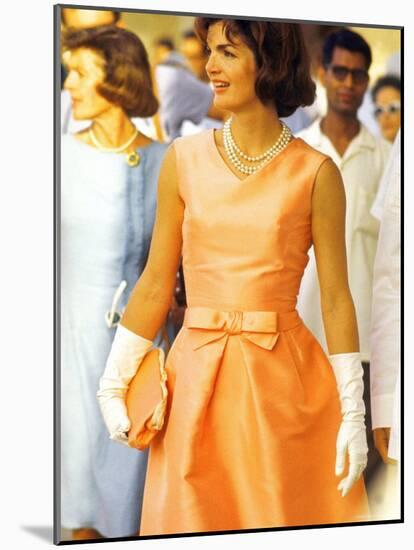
(233, 152)
(133, 158)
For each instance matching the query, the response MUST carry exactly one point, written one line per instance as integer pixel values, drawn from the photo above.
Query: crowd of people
(158, 223)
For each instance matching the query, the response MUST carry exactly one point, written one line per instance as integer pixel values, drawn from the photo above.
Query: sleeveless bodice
(245, 241)
(251, 392)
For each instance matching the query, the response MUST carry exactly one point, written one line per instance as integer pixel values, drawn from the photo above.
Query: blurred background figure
(386, 96)
(393, 66)
(78, 19)
(73, 19)
(303, 116)
(183, 90)
(109, 178)
(195, 54)
(162, 49)
(361, 158)
(385, 339)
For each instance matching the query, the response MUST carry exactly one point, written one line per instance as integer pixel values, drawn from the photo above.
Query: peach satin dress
(253, 413)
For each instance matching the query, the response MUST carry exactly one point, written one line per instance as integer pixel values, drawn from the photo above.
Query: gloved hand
(352, 436)
(127, 352)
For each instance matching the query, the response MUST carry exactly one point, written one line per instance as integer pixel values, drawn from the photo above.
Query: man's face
(346, 81)
(160, 54)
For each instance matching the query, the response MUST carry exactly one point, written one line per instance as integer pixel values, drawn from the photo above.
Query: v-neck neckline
(230, 171)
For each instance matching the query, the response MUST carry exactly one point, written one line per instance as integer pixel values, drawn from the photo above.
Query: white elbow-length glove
(352, 437)
(127, 352)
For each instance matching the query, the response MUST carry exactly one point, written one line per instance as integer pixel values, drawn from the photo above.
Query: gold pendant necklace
(132, 158)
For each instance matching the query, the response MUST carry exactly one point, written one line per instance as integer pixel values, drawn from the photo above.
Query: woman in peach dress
(262, 428)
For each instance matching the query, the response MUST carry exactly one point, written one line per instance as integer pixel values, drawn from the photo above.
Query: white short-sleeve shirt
(361, 166)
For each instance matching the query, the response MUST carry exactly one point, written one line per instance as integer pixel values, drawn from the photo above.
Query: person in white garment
(385, 364)
(361, 158)
(386, 96)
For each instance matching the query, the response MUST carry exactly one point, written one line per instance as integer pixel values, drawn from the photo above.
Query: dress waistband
(260, 327)
(235, 322)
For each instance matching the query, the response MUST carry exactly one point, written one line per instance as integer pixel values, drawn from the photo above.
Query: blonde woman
(108, 197)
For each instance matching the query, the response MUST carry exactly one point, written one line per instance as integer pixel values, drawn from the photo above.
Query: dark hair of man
(166, 42)
(347, 40)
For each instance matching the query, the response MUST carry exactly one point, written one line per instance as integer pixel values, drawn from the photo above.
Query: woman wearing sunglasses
(108, 197)
(386, 95)
(262, 428)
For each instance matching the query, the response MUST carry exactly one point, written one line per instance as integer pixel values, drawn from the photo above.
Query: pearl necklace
(233, 151)
(133, 159)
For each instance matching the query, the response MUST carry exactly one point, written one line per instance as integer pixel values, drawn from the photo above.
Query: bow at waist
(259, 327)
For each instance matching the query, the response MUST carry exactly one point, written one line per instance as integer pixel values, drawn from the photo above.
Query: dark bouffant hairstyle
(387, 81)
(127, 81)
(283, 64)
(347, 40)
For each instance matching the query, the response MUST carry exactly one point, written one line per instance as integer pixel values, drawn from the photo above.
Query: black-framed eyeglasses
(340, 72)
(391, 108)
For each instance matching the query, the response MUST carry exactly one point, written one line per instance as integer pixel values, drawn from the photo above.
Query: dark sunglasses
(359, 76)
(391, 108)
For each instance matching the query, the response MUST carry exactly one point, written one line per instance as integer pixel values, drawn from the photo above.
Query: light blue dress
(107, 217)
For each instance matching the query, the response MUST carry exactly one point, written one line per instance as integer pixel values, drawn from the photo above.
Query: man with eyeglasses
(346, 58)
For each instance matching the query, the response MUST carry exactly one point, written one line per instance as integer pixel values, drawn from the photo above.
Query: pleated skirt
(249, 440)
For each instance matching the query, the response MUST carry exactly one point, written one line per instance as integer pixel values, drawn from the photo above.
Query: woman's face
(387, 111)
(233, 65)
(85, 72)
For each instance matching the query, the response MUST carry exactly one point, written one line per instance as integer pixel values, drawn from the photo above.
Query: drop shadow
(40, 531)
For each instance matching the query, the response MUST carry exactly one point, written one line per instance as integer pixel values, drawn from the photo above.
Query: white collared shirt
(361, 167)
(385, 326)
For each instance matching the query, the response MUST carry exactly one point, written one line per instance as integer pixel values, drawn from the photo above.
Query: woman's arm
(151, 297)
(328, 233)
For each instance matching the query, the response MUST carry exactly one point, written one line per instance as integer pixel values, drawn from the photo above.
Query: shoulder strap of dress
(189, 155)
